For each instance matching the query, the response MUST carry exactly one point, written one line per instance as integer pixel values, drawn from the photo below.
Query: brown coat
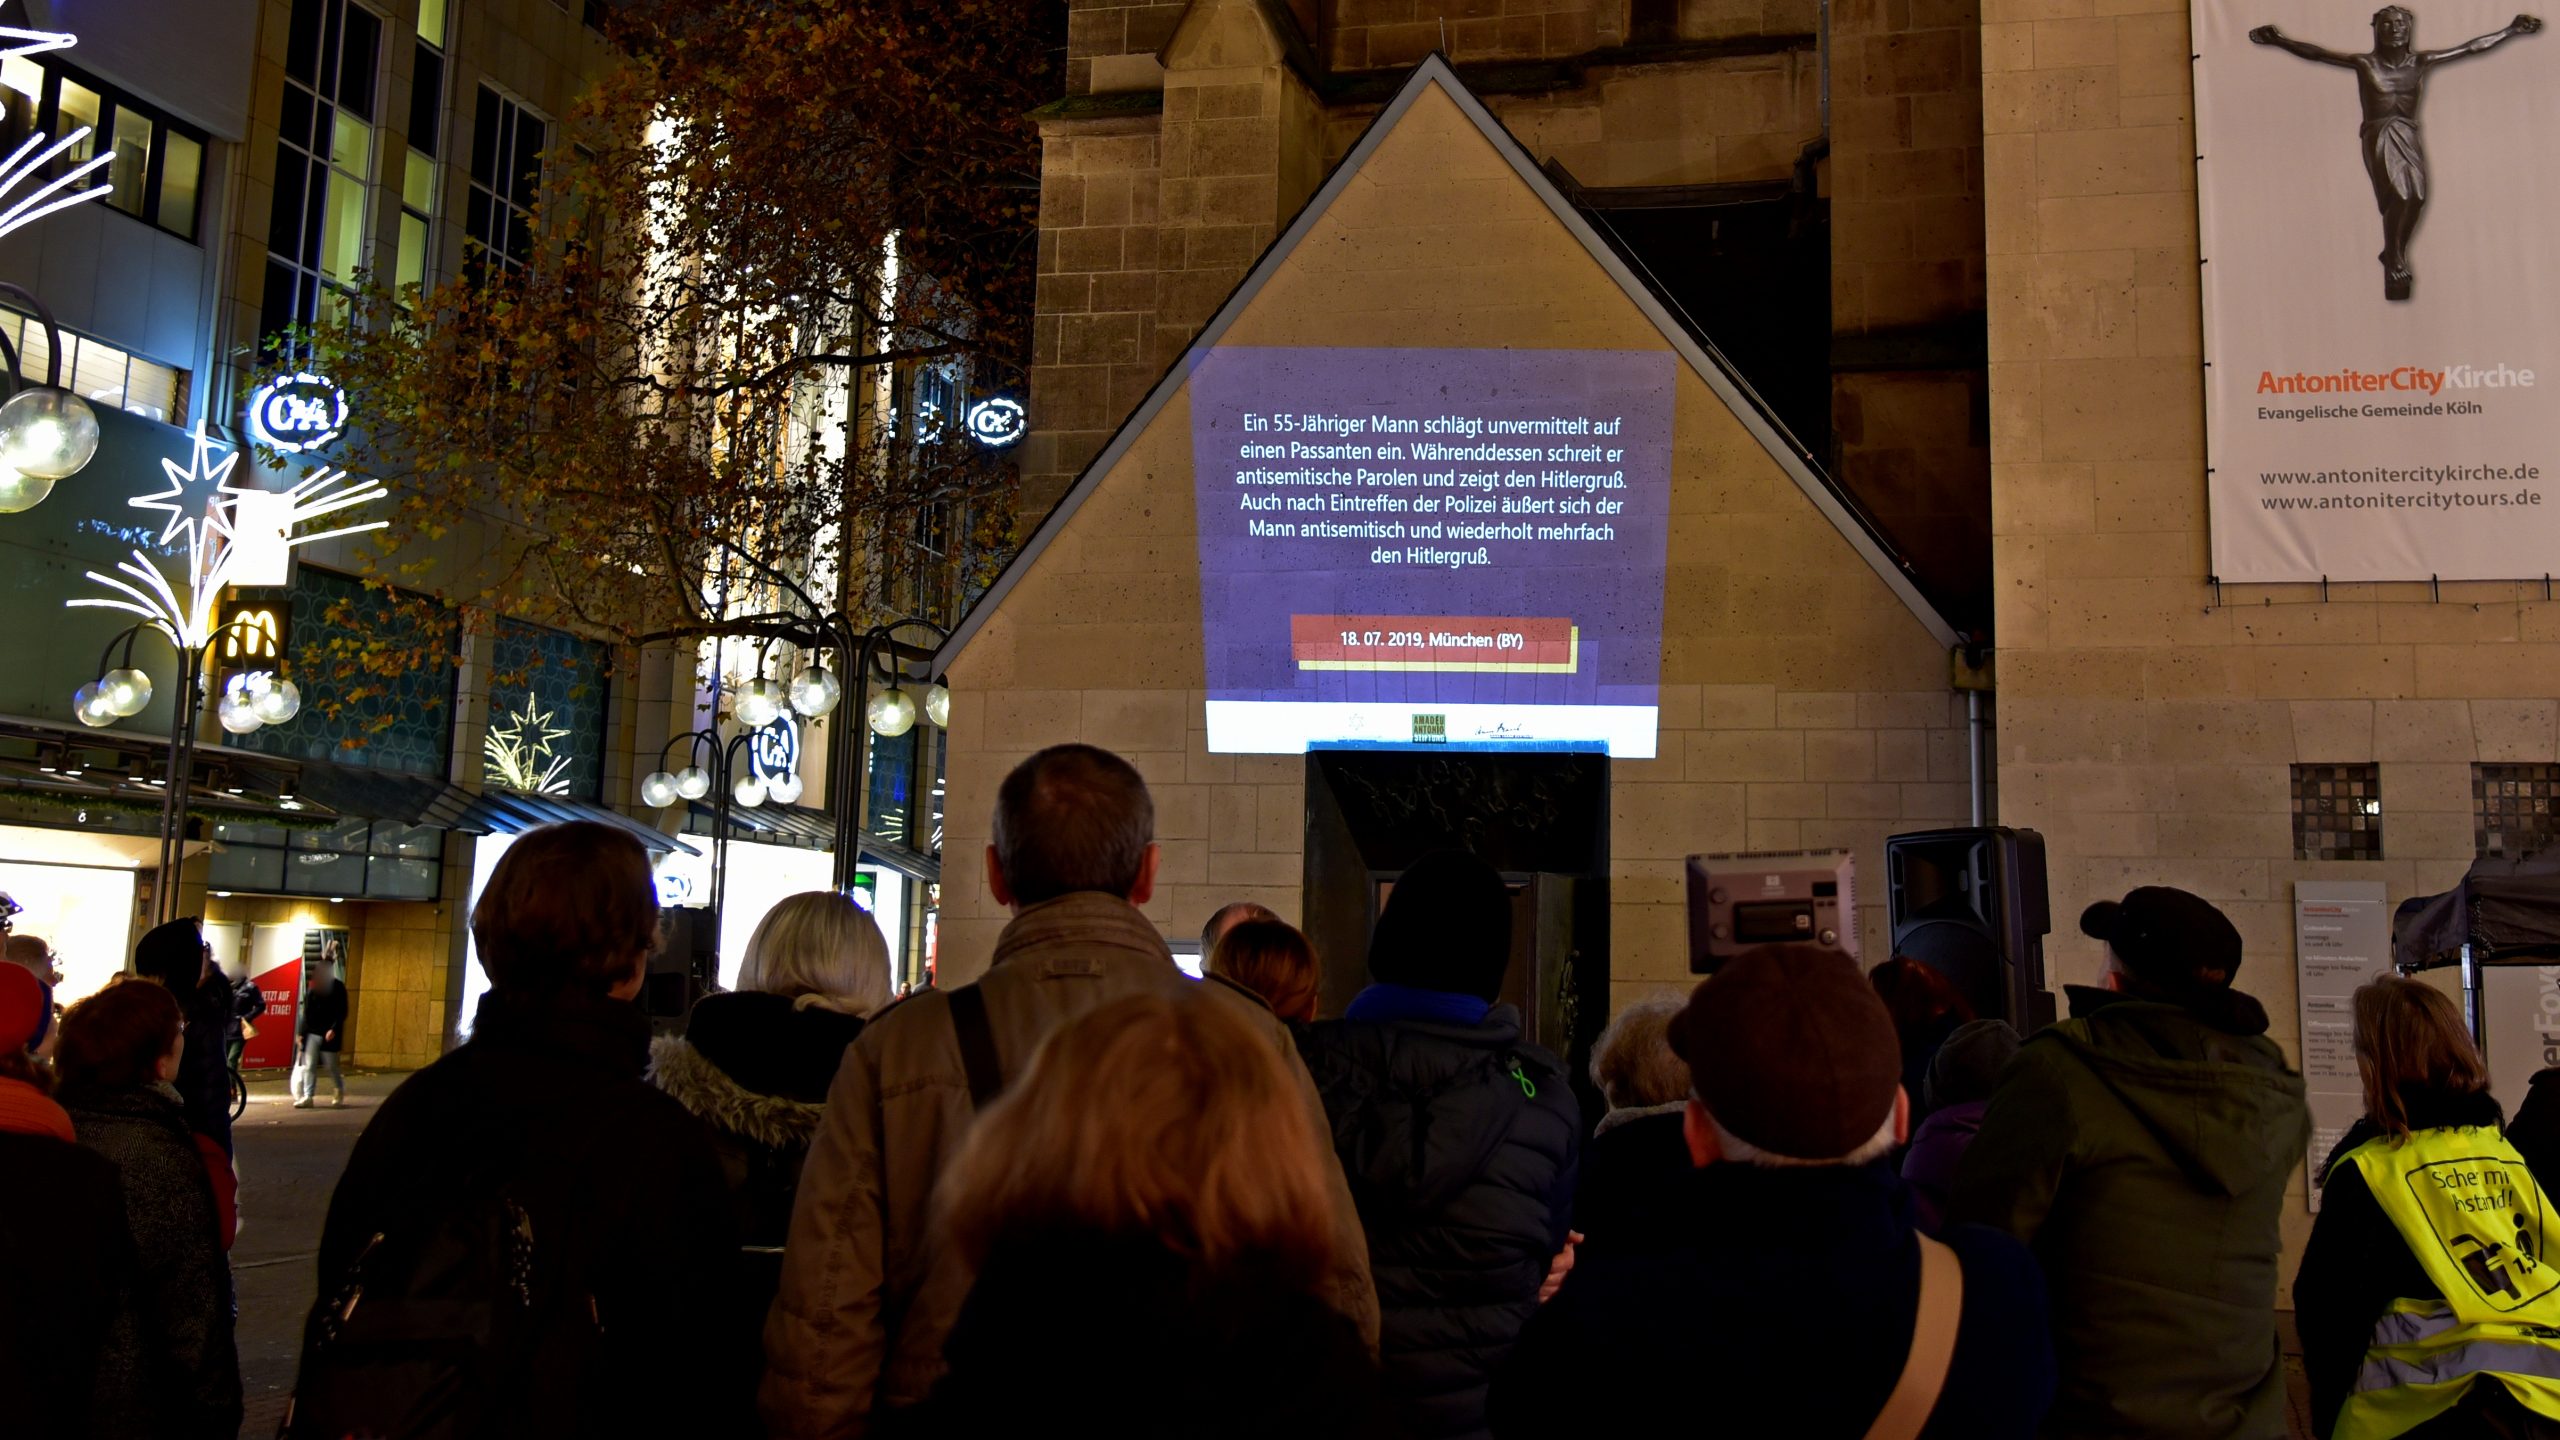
(868, 1290)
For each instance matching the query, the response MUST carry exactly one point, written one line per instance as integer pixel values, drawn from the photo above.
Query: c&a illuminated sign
(297, 413)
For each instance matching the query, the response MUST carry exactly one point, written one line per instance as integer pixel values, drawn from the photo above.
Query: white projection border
(1291, 727)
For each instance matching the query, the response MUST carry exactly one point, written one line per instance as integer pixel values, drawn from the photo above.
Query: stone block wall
(1739, 117)
(1093, 338)
(1390, 34)
(2149, 720)
(1906, 163)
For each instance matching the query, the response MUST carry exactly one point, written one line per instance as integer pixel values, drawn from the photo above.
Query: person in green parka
(2144, 1148)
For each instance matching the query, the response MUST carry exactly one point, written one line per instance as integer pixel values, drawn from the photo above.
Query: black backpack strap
(977, 1044)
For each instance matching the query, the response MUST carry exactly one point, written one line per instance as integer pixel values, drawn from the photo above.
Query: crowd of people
(1088, 1190)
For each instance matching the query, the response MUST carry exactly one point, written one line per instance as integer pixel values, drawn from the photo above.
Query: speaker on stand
(1971, 904)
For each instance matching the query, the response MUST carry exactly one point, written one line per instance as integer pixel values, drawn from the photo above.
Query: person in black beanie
(2143, 1149)
(175, 955)
(1459, 1140)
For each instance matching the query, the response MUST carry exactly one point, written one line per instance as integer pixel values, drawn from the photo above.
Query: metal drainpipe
(1979, 783)
(1822, 60)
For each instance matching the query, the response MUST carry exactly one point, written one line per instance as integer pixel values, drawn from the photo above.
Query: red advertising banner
(272, 1048)
(1494, 644)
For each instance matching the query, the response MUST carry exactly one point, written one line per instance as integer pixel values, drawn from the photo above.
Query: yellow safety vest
(2469, 1209)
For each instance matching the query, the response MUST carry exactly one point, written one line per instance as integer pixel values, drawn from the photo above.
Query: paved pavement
(289, 1162)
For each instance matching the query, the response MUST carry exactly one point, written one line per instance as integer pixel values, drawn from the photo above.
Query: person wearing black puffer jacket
(1459, 1140)
(754, 1064)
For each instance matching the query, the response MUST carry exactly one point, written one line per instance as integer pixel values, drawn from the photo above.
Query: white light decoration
(748, 792)
(519, 753)
(658, 790)
(22, 492)
(274, 700)
(238, 710)
(998, 421)
(784, 789)
(891, 713)
(294, 413)
(937, 705)
(184, 609)
(693, 782)
(126, 690)
(47, 434)
(89, 704)
(815, 691)
(756, 702)
(34, 156)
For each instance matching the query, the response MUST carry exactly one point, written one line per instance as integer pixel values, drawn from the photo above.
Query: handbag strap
(977, 1045)
(1933, 1345)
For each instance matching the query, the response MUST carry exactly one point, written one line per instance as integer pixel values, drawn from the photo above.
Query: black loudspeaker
(1971, 904)
(686, 963)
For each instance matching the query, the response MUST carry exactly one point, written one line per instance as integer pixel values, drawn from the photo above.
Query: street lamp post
(46, 432)
(660, 788)
(813, 694)
(253, 699)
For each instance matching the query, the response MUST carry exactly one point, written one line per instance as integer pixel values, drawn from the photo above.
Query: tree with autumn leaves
(756, 236)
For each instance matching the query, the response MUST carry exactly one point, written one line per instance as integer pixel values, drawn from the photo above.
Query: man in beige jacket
(869, 1288)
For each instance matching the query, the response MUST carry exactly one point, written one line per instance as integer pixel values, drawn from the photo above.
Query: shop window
(346, 859)
(159, 161)
(325, 153)
(2337, 812)
(2515, 809)
(100, 372)
(507, 141)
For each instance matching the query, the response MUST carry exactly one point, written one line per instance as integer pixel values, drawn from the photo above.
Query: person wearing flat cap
(2144, 1149)
(1800, 1298)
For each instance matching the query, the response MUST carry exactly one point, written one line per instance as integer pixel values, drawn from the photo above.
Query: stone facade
(2150, 719)
(1803, 705)
(1195, 128)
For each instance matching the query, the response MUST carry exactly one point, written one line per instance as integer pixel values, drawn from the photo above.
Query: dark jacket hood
(2210, 1088)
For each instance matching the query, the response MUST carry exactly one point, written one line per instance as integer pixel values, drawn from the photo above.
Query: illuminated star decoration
(34, 155)
(214, 544)
(201, 466)
(520, 752)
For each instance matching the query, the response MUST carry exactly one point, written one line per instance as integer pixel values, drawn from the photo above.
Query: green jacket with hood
(2143, 1151)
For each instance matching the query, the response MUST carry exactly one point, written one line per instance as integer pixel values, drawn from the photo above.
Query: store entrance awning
(802, 825)
(507, 812)
(359, 790)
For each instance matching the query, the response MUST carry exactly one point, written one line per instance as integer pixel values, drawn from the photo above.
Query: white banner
(2380, 201)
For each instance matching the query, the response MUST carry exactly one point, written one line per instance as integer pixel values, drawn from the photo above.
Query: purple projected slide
(1432, 547)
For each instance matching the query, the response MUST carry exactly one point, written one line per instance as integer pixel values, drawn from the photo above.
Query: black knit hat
(1969, 1064)
(172, 954)
(2176, 942)
(1447, 927)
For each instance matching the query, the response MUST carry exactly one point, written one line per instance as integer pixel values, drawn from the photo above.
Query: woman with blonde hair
(1157, 1173)
(754, 1064)
(2428, 1269)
